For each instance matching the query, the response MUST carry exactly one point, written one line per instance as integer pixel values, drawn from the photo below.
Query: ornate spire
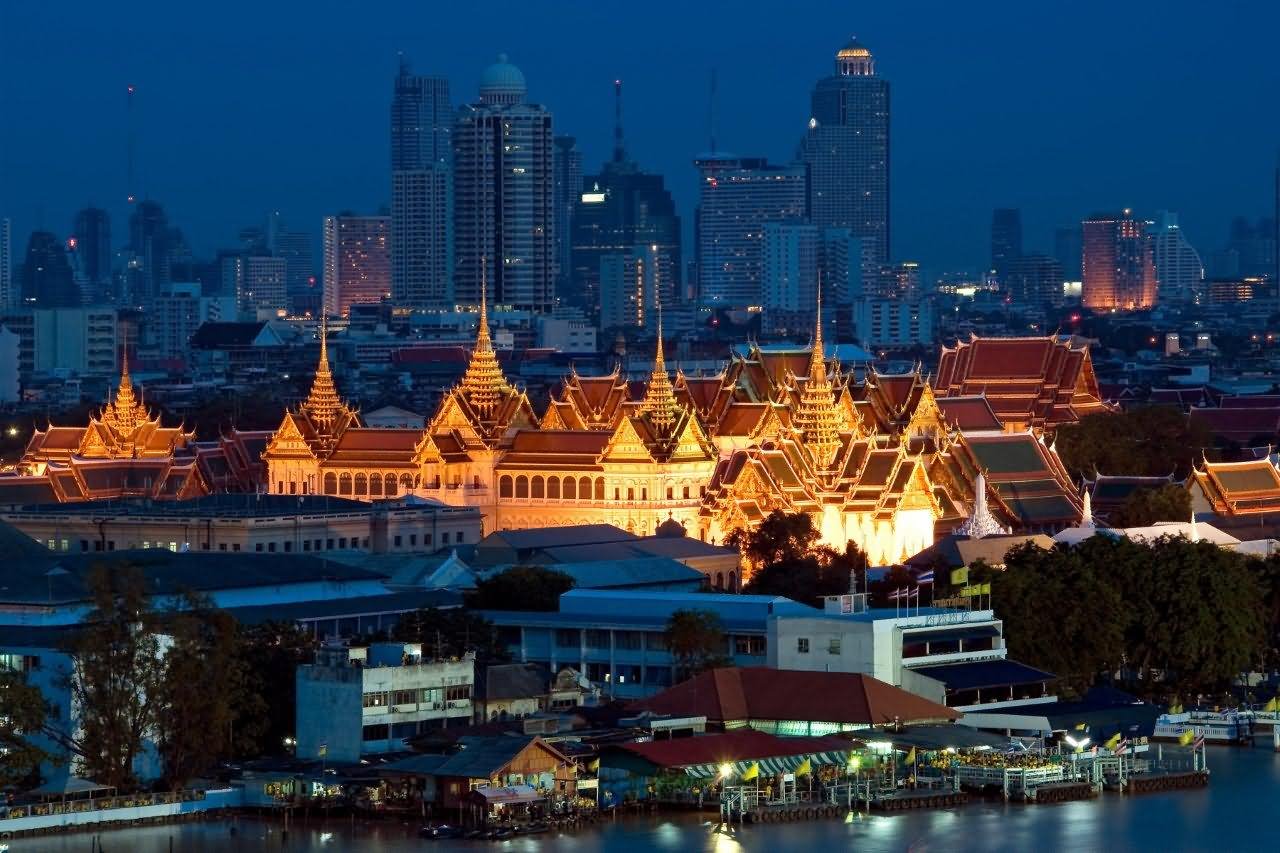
(1086, 515)
(659, 398)
(484, 384)
(323, 403)
(817, 416)
(981, 523)
(126, 412)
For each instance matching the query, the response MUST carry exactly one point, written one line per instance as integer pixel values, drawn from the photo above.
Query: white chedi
(981, 522)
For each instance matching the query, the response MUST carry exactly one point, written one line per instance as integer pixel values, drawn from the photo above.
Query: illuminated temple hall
(125, 451)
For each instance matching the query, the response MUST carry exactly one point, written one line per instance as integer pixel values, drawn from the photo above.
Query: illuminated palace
(125, 451)
(634, 464)
(882, 462)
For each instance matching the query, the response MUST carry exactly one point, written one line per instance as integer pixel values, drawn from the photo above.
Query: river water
(1237, 811)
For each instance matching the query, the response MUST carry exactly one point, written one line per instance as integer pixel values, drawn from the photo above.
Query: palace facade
(125, 451)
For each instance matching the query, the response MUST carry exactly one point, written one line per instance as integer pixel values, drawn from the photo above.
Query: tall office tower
(421, 191)
(7, 295)
(294, 247)
(846, 150)
(422, 238)
(357, 261)
(792, 252)
(1253, 246)
(1118, 270)
(47, 278)
(1033, 281)
(421, 121)
(1006, 239)
(152, 246)
(258, 283)
(566, 167)
(1067, 249)
(503, 188)
(634, 283)
(620, 207)
(1179, 270)
(739, 196)
(847, 263)
(92, 233)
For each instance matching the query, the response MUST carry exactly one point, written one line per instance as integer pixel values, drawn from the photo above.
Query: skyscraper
(421, 191)
(567, 169)
(7, 295)
(300, 267)
(1067, 249)
(739, 196)
(1006, 239)
(633, 284)
(47, 279)
(846, 150)
(792, 253)
(1033, 280)
(92, 233)
(503, 199)
(623, 209)
(357, 261)
(258, 283)
(1179, 270)
(1118, 269)
(152, 246)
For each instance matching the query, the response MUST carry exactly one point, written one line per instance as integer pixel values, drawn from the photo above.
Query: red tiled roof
(731, 747)
(761, 693)
(1238, 424)
(970, 414)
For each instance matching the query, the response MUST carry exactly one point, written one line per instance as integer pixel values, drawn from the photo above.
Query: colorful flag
(751, 772)
(911, 756)
(984, 589)
(1187, 737)
(927, 577)
(1112, 742)
(805, 768)
(959, 577)
(1271, 706)
(1122, 747)
(1199, 742)
(1081, 726)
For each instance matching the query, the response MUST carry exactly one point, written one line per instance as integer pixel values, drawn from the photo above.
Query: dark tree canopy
(522, 588)
(1150, 441)
(271, 653)
(451, 633)
(1175, 612)
(23, 712)
(789, 561)
(1145, 507)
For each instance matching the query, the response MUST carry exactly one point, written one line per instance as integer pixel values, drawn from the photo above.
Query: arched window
(362, 485)
(344, 484)
(406, 482)
(522, 486)
(539, 490)
(504, 486)
(391, 485)
(599, 488)
(733, 581)
(719, 580)
(570, 489)
(331, 483)
(553, 488)
(375, 485)
(584, 489)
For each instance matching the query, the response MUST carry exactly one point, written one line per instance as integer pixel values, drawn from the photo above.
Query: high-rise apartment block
(357, 261)
(792, 260)
(1118, 267)
(739, 196)
(1033, 280)
(258, 283)
(633, 284)
(1179, 270)
(503, 198)
(566, 170)
(846, 150)
(1006, 239)
(421, 237)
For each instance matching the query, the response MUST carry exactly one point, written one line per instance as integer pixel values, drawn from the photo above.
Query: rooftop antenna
(619, 150)
(711, 112)
(130, 197)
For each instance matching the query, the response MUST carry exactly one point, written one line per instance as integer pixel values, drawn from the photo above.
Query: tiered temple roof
(1248, 488)
(1039, 382)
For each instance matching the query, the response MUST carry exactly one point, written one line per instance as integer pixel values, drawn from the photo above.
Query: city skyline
(1035, 144)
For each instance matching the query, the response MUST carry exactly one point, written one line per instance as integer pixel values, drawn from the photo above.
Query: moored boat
(1213, 726)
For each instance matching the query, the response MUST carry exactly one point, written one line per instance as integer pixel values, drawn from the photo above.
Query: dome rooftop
(853, 50)
(502, 81)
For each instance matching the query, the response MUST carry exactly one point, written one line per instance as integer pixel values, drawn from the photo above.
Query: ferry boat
(1213, 726)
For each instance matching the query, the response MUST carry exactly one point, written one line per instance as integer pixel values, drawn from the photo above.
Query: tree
(780, 538)
(451, 633)
(23, 711)
(522, 588)
(204, 687)
(1147, 441)
(270, 653)
(696, 641)
(1144, 507)
(788, 560)
(117, 677)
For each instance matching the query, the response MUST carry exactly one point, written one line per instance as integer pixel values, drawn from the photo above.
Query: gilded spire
(323, 403)
(659, 398)
(484, 384)
(126, 412)
(818, 416)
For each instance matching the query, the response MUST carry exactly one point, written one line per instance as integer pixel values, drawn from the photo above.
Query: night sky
(1059, 109)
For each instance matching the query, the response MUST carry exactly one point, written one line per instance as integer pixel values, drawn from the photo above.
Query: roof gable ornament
(817, 416)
